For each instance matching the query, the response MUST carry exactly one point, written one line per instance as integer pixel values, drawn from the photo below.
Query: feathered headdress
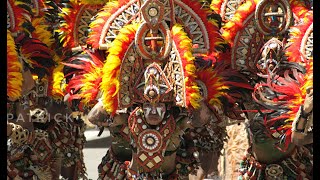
(96, 26)
(287, 90)
(241, 32)
(19, 16)
(235, 25)
(68, 15)
(284, 91)
(42, 31)
(296, 50)
(71, 30)
(210, 22)
(86, 76)
(110, 82)
(14, 69)
(36, 54)
(118, 29)
(184, 46)
(224, 86)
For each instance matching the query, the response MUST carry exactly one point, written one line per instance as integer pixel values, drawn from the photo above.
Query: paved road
(95, 149)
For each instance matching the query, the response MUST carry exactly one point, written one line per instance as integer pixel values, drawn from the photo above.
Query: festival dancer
(273, 29)
(147, 89)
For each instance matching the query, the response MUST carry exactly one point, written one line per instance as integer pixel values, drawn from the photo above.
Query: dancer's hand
(308, 102)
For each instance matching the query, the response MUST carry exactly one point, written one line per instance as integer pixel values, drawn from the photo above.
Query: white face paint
(161, 112)
(154, 114)
(147, 110)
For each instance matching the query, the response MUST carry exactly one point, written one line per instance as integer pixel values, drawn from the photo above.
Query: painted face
(154, 113)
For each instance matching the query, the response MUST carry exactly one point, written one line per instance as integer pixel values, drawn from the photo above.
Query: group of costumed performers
(272, 43)
(45, 137)
(165, 77)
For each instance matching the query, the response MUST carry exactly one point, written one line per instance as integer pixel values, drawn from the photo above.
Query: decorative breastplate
(41, 146)
(150, 143)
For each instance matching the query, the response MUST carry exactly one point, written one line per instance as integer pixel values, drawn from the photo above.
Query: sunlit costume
(43, 138)
(272, 42)
(154, 71)
(161, 78)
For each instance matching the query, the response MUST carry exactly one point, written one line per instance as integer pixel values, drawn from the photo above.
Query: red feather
(97, 25)
(213, 31)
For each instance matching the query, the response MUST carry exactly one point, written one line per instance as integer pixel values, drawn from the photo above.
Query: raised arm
(303, 122)
(98, 115)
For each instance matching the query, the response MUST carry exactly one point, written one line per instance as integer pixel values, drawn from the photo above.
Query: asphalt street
(95, 148)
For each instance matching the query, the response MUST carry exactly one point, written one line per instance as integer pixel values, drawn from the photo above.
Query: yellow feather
(185, 45)
(58, 86)
(14, 69)
(111, 68)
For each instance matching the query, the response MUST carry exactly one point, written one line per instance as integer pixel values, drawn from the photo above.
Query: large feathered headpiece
(137, 34)
(286, 89)
(74, 18)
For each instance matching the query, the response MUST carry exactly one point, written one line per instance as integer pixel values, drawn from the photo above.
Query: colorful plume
(216, 5)
(84, 76)
(14, 69)
(288, 94)
(212, 27)
(57, 90)
(68, 24)
(37, 55)
(42, 32)
(19, 13)
(97, 25)
(300, 9)
(293, 52)
(224, 85)
(236, 24)
(184, 46)
(110, 84)
(92, 79)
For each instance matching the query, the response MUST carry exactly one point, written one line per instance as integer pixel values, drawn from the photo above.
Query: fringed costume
(43, 137)
(152, 69)
(271, 43)
(178, 83)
